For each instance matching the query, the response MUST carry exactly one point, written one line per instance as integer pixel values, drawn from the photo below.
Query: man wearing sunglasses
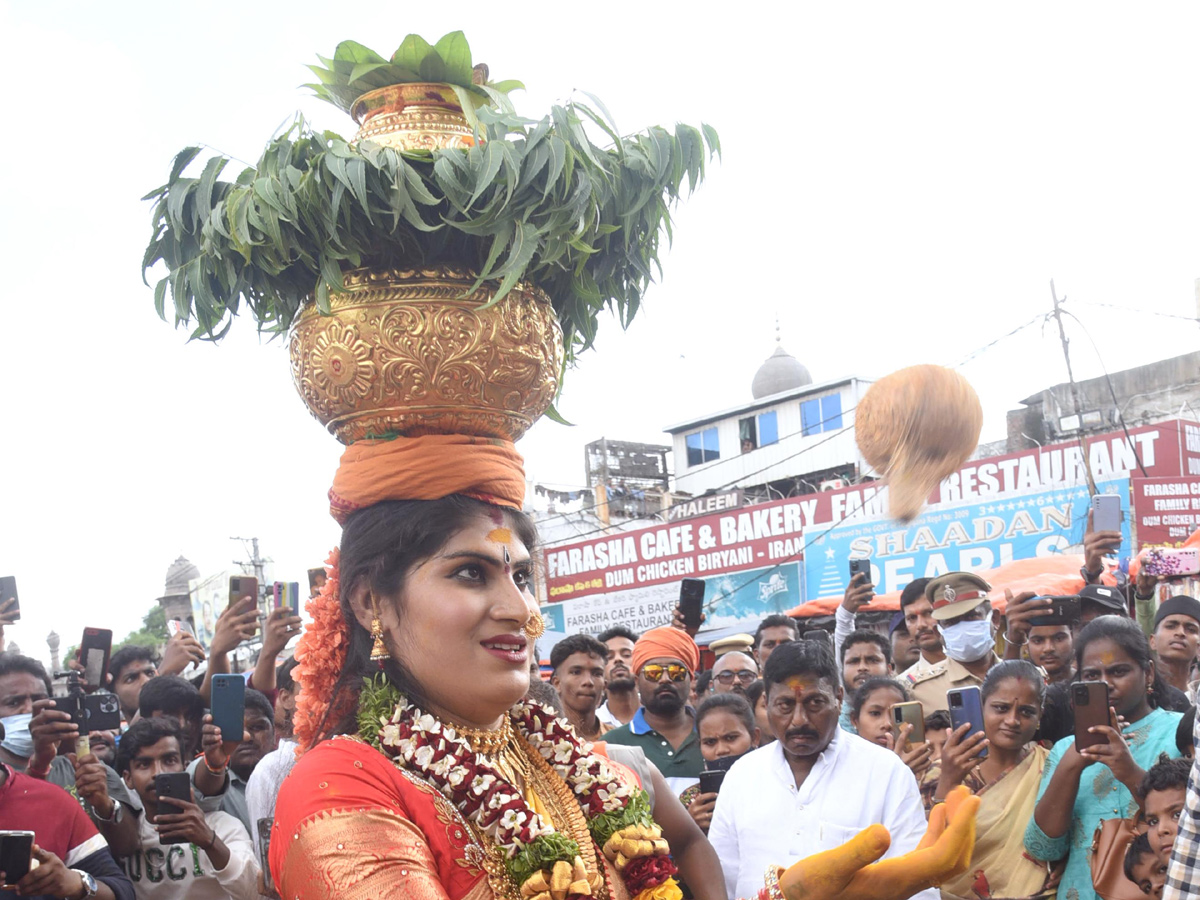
(664, 661)
(733, 673)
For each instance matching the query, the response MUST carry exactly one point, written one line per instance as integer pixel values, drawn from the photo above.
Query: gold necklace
(501, 748)
(486, 741)
(568, 817)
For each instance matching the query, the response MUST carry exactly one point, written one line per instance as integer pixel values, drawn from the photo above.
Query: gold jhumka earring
(379, 651)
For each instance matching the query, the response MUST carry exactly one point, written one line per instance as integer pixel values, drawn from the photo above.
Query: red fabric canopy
(1057, 574)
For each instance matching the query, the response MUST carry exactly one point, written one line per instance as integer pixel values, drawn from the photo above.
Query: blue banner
(960, 538)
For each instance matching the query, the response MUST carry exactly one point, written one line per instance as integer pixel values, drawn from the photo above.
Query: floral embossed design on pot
(441, 360)
(341, 367)
(413, 117)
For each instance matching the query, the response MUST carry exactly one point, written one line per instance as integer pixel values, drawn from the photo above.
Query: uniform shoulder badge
(933, 671)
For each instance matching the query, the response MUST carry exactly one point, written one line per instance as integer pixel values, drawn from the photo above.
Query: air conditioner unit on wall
(832, 484)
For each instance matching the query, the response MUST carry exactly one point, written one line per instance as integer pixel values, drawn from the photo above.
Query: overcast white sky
(900, 182)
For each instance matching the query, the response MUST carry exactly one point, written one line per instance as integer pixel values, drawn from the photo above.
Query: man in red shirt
(73, 861)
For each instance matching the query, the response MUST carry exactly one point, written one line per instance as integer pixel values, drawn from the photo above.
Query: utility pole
(259, 564)
(1062, 336)
(256, 561)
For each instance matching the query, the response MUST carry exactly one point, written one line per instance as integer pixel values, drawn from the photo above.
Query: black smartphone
(102, 712)
(229, 705)
(710, 782)
(177, 785)
(966, 705)
(264, 848)
(1063, 611)
(1090, 699)
(8, 591)
(691, 601)
(1106, 512)
(242, 586)
(820, 635)
(16, 854)
(93, 656)
(862, 565)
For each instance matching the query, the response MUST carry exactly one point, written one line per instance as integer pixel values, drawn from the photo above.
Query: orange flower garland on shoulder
(321, 656)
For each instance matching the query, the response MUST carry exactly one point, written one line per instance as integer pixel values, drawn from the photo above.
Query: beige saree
(999, 868)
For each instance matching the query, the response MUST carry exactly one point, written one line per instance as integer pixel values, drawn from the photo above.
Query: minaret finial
(777, 328)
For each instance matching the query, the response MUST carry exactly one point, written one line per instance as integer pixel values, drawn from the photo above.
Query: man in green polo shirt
(664, 661)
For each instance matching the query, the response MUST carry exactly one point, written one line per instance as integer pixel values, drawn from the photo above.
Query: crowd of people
(781, 748)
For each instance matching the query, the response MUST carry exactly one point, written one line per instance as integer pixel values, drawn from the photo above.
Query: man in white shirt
(814, 788)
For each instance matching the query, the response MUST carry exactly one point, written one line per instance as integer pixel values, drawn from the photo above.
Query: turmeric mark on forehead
(799, 684)
(500, 535)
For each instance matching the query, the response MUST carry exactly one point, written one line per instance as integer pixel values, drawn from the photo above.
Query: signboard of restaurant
(699, 506)
(1166, 510)
(957, 538)
(768, 533)
(729, 598)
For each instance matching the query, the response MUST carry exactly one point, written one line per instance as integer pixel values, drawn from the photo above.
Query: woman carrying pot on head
(1006, 779)
(1081, 787)
(426, 772)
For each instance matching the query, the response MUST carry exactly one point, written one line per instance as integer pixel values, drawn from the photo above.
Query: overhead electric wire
(1112, 393)
(1140, 312)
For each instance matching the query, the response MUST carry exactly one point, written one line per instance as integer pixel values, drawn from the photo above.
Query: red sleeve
(336, 774)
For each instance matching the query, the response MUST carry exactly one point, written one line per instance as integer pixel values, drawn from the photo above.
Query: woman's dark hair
(380, 544)
(283, 676)
(754, 693)
(145, 733)
(1128, 635)
(734, 704)
(1185, 733)
(870, 686)
(1019, 669)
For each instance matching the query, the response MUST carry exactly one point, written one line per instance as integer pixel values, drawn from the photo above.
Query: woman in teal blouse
(1079, 788)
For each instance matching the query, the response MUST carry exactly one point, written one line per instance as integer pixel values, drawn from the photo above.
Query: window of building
(702, 447)
(768, 429)
(747, 434)
(821, 414)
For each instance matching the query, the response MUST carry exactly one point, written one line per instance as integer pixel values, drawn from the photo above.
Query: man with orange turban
(664, 662)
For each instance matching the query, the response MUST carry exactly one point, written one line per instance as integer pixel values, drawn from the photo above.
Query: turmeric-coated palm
(851, 871)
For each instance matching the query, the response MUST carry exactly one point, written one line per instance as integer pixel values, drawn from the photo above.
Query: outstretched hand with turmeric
(851, 871)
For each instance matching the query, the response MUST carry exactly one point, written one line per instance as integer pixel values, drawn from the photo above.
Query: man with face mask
(967, 625)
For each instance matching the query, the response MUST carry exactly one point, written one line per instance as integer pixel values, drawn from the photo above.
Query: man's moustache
(802, 733)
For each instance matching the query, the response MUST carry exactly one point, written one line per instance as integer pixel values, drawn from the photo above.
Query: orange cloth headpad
(665, 643)
(428, 467)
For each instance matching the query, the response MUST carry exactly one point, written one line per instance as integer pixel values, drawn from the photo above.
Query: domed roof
(178, 575)
(781, 372)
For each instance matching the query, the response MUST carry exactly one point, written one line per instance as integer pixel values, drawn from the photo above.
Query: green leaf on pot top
(412, 52)
(538, 202)
(455, 54)
(355, 70)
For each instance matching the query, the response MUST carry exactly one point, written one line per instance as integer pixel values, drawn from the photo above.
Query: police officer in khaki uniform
(968, 628)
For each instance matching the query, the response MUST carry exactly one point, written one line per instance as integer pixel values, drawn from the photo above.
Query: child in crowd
(727, 729)
(871, 710)
(1163, 793)
(937, 729)
(1144, 868)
